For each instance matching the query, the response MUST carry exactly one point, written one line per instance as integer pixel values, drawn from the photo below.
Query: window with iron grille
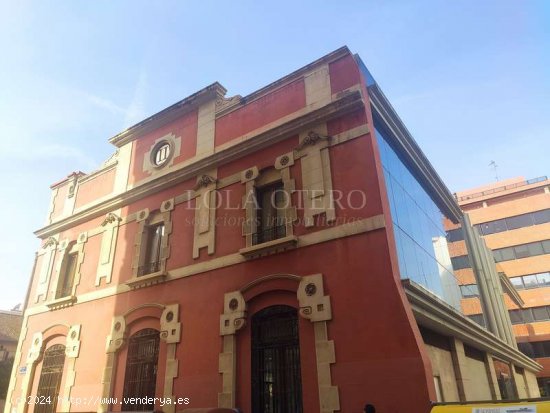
(271, 213)
(276, 375)
(50, 379)
(66, 279)
(140, 377)
(153, 245)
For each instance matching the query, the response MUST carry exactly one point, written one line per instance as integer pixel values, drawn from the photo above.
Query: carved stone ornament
(285, 160)
(110, 218)
(204, 181)
(224, 103)
(311, 139)
(50, 242)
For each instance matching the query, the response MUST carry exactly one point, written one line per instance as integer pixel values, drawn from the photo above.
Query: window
(455, 235)
(161, 153)
(276, 375)
(540, 313)
(521, 251)
(527, 349)
(530, 281)
(140, 377)
(504, 254)
(50, 379)
(153, 244)
(460, 262)
(505, 381)
(535, 248)
(546, 246)
(527, 315)
(517, 282)
(271, 223)
(478, 318)
(541, 217)
(538, 349)
(515, 317)
(520, 221)
(543, 279)
(493, 227)
(66, 278)
(515, 222)
(469, 290)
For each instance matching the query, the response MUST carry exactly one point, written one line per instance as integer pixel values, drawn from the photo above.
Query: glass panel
(527, 349)
(469, 290)
(460, 262)
(515, 317)
(522, 251)
(519, 221)
(455, 235)
(530, 281)
(543, 278)
(66, 282)
(504, 254)
(535, 248)
(517, 282)
(270, 214)
(540, 313)
(421, 239)
(540, 217)
(546, 246)
(527, 315)
(492, 227)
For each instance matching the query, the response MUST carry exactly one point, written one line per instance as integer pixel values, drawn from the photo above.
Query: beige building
(513, 217)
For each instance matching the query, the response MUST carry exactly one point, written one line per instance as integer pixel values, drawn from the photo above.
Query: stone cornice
(169, 114)
(415, 158)
(432, 312)
(346, 104)
(291, 77)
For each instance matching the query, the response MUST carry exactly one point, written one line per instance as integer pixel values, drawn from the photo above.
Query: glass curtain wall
(418, 224)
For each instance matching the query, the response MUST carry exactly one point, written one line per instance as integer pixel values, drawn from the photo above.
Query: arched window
(276, 376)
(50, 379)
(140, 377)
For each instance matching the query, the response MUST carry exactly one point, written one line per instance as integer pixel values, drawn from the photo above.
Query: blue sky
(470, 79)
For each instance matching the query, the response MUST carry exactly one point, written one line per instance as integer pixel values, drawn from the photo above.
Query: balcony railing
(501, 188)
(148, 268)
(269, 234)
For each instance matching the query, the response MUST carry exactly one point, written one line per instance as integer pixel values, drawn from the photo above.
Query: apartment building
(513, 216)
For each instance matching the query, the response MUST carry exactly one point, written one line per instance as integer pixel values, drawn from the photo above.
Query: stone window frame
(149, 164)
(253, 179)
(65, 249)
(145, 221)
(168, 323)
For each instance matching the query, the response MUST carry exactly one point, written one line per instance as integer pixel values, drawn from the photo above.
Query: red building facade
(234, 252)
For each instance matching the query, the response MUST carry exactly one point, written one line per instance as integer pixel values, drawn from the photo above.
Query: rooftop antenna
(495, 166)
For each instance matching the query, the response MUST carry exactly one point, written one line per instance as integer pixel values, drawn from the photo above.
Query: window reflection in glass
(420, 237)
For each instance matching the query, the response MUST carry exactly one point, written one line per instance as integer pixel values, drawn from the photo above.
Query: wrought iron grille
(148, 268)
(276, 375)
(269, 234)
(141, 369)
(50, 379)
